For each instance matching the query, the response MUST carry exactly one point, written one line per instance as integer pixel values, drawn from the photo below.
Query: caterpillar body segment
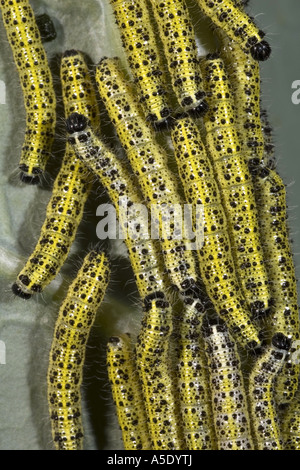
(233, 175)
(227, 16)
(70, 190)
(263, 411)
(139, 43)
(127, 393)
(157, 183)
(152, 351)
(143, 252)
(244, 74)
(37, 85)
(192, 383)
(177, 31)
(66, 359)
(284, 318)
(228, 394)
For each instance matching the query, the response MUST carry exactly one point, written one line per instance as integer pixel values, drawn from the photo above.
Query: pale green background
(26, 327)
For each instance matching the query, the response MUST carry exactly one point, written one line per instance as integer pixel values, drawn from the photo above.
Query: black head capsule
(70, 53)
(33, 180)
(76, 122)
(281, 341)
(261, 51)
(17, 291)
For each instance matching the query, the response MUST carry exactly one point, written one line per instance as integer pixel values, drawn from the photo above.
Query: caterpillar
(139, 43)
(152, 358)
(158, 185)
(67, 353)
(70, 191)
(143, 252)
(127, 393)
(261, 392)
(291, 425)
(238, 26)
(234, 178)
(36, 80)
(244, 74)
(228, 395)
(177, 31)
(215, 258)
(271, 204)
(192, 383)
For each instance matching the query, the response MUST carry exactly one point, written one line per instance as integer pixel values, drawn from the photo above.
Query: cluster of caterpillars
(180, 385)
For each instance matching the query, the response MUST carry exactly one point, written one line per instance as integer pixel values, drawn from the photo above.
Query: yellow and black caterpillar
(37, 85)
